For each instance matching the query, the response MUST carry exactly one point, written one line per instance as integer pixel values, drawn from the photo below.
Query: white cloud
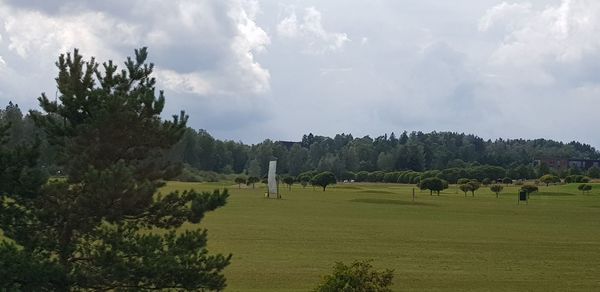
(503, 12)
(537, 42)
(184, 82)
(311, 32)
(288, 27)
(32, 32)
(201, 47)
(249, 39)
(561, 33)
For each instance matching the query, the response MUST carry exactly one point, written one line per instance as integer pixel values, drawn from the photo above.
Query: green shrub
(356, 277)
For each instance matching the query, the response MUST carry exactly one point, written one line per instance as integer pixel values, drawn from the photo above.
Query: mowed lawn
(438, 243)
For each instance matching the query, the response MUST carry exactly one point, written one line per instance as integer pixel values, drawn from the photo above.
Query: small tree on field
(584, 188)
(252, 181)
(465, 188)
(496, 189)
(529, 188)
(486, 181)
(433, 184)
(358, 276)
(304, 180)
(305, 177)
(549, 179)
(240, 180)
(289, 181)
(507, 180)
(462, 181)
(323, 179)
(473, 186)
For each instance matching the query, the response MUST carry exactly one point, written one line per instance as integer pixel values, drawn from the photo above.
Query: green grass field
(445, 243)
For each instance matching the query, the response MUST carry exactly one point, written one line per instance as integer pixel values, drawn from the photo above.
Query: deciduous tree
(240, 180)
(473, 186)
(496, 189)
(323, 179)
(289, 181)
(252, 180)
(433, 184)
(549, 179)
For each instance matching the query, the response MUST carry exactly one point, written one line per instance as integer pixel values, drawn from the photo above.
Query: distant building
(560, 164)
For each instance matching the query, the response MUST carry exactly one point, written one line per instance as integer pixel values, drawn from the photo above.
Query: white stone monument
(272, 180)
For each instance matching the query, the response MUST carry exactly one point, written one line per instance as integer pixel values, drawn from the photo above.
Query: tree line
(451, 153)
(455, 155)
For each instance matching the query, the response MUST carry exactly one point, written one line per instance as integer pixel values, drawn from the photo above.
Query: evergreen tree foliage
(104, 227)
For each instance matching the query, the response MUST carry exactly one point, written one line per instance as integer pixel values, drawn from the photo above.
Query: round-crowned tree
(289, 181)
(240, 180)
(252, 181)
(433, 184)
(324, 179)
(549, 179)
(496, 189)
(529, 188)
(465, 188)
(473, 186)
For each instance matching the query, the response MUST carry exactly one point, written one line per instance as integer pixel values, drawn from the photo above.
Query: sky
(248, 70)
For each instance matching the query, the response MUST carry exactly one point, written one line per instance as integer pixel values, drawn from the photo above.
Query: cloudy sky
(249, 70)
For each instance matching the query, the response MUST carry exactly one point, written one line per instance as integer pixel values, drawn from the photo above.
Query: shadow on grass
(392, 202)
(550, 194)
(346, 187)
(377, 192)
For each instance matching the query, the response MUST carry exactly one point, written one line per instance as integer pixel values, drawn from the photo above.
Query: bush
(391, 177)
(376, 176)
(584, 188)
(358, 276)
(347, 175)
(362, 176)
(190, 174)
(577, 178)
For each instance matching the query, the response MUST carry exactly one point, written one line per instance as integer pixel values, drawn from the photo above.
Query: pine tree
(104, 227)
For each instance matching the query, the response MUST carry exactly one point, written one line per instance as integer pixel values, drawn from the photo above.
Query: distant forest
(416, 151)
